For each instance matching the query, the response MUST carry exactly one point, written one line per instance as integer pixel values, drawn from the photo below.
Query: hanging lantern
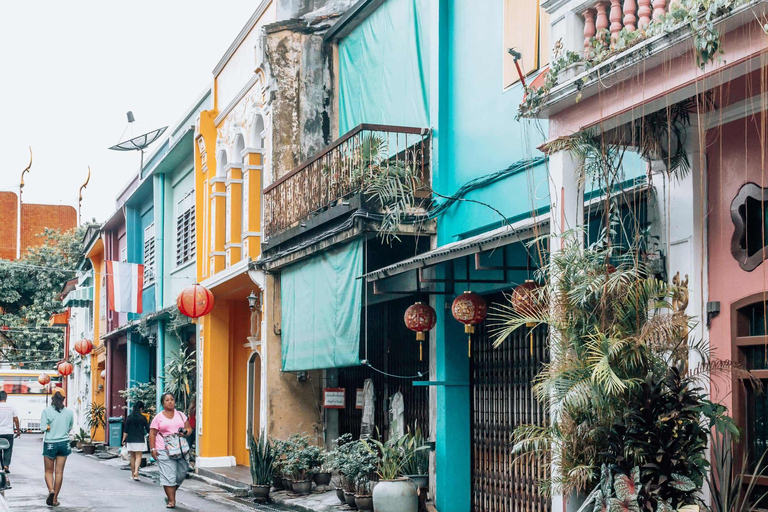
(65, 368)
(83, 347)
(195, 301)
(43, 379)
(470, 309)
(525, 300)
(420, 318)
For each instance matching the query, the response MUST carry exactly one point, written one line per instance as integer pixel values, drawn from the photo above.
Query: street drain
(262, 507)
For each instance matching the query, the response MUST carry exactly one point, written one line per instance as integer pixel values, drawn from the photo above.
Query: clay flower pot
(395, 496)
(349, 497)
(322, 478)
(277, 483)
(260, 491)
(340, 495)
(364, 502)
(89, 449)
(302, 487)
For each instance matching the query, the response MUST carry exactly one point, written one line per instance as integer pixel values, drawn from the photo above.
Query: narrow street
(90, 484)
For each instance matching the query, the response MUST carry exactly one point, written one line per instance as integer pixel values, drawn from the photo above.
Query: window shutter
(185, 229)
(149, 254)
(521, 32)
(543, 37)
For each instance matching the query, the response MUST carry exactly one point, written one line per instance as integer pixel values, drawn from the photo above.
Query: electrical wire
(59, 269)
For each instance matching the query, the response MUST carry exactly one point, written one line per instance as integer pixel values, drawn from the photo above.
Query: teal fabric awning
(81, 298)
(321, 301)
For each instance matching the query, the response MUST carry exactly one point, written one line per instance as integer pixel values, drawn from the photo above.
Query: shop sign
(359, 399)
(334, 398)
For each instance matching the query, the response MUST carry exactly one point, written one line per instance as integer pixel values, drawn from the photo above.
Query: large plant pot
(395, 496)
(89, 449)
(349, 497)
(364, 502)
(419, 480)
(322, 478)
(79, 445)
(302, 487)
(287, 485)
(340, 495)
(260, 491)
(277, 483)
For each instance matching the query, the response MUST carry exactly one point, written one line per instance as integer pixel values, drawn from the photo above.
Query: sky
(69, 72)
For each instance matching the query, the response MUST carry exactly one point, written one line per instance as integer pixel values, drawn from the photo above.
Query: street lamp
(253, 299)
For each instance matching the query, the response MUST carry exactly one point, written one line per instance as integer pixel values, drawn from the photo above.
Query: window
(751, 326)
(149, 254)
(185, 229)
(749, 213)
(526, 29)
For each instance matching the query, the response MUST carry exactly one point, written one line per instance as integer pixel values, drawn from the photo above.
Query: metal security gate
(501, 400)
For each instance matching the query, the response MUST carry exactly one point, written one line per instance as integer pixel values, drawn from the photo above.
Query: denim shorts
(58, 449)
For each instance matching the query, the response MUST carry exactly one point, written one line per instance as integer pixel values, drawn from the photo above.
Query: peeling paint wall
(303, 98)
(290, 9)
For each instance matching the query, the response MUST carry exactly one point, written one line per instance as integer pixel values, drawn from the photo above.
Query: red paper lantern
(525, 299)
(43, 379)
(420, 318)
(195, 301)
(65, 368)
(83, 347)
(470, 309)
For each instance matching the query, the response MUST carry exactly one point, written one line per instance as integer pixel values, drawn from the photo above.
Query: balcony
(614, 55)
(342, 170)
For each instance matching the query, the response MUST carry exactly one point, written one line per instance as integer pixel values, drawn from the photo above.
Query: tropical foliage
(617, 344)
(145, 392)
(29, 296)
(262, 458)
(180, 377)
(96, 417)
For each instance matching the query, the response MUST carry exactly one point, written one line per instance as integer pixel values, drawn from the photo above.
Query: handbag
(176, 446)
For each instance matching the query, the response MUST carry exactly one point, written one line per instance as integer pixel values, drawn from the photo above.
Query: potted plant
(96, 418)
(393, 493)
(81, 438)
(261, 459)
(324, 470)
(416, 466)
(300, 461)
(358, 464)
(335, 460)
(278, 452)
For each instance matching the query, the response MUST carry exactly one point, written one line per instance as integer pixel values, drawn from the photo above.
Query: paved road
(92, 485)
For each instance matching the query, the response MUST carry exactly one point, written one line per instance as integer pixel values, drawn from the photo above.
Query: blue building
(158, 208)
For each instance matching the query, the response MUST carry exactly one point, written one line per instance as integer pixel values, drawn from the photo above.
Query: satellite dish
(140, 142)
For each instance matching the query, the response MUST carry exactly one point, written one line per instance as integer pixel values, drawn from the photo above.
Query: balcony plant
(95, 418)
(416, 466)
(262, 460)
(622, 340)
(393, 493)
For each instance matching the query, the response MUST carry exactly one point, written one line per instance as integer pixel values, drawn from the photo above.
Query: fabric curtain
(321, 302)
(384, 68)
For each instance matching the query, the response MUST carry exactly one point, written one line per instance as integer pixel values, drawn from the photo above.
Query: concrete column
(567, 214)
(233, 245)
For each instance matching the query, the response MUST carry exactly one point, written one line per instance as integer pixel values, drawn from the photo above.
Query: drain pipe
(159, 207)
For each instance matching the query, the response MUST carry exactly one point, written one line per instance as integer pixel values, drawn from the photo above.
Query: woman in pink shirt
(167, 422)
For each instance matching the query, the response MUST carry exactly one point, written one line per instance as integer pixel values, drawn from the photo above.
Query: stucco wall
(302, 105)
(734, 158)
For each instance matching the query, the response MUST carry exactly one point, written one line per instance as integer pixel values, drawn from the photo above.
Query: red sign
(334, 398)
(360, 399)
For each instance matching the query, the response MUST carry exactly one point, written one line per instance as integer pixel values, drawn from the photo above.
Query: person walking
(134, 432)
(56, 422)
(173, 467)
(9, 428)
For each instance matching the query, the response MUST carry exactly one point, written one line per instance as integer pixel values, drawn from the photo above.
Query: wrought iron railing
(343, 169)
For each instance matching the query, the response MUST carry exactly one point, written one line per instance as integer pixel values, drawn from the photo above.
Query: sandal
(49, 500)
(170, 506)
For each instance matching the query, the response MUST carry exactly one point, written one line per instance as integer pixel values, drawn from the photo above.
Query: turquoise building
(160, 233)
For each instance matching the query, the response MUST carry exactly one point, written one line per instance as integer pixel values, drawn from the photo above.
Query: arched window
(237, 158)
(257, 139)
(221, 164)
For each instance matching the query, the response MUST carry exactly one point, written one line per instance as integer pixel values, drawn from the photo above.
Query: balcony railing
(615, 15)
(343, 169)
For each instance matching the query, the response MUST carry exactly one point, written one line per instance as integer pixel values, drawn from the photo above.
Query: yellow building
(95, 252)
(231, 144)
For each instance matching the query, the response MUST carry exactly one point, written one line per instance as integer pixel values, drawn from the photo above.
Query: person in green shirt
(56, 422)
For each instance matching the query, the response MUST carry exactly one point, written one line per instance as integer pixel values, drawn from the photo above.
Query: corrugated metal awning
(505, 235)
(80, 298)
